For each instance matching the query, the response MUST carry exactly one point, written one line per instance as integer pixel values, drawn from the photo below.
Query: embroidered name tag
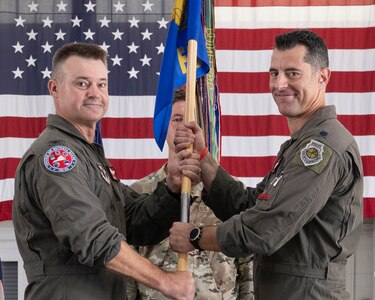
(264, 197)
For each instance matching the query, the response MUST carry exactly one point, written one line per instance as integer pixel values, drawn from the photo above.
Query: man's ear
(324, 75)
(52, 87)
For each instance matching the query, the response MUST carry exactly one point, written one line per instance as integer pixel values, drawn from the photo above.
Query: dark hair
(316, 54)
(179, 94)
(77, 49)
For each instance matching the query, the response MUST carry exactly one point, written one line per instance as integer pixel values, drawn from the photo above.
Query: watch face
(194, 234)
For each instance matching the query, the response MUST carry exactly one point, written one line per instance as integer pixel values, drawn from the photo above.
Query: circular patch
(312, 153)
(60, 159)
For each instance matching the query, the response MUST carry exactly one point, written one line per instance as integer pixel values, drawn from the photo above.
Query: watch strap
(195, 242)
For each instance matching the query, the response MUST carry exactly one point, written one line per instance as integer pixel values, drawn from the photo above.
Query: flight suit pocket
(265, 200)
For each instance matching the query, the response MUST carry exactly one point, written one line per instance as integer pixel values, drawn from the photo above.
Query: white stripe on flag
(249, 146)
(340, 60)
(263, 104)
(41, 106)
(295, 17)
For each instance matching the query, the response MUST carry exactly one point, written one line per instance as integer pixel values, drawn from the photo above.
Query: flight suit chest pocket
(266, 199)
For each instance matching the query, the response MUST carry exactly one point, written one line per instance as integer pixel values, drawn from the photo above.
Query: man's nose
(280, 82)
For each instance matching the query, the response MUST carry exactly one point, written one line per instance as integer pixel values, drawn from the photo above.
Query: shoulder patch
(313, 155)
(59, 159)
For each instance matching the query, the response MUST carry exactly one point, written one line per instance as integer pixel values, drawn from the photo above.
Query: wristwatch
(195, 236)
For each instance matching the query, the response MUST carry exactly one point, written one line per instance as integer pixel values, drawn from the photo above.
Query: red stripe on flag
(6, 210)
(110, 127)
(261, 165)
(127, 128)
(340, 82)
(263, 39)
(248, 166)
(135, 168)
(359, 124)
(123, 128)
(368, 163)
(369, 207)
(21, 127)
(277, 125)
(259, 3)
(254, 125)
(8, 167)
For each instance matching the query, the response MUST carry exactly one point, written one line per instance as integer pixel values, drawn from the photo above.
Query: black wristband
(194, 237)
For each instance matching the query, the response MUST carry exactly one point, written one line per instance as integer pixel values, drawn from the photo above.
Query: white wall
(9, 252)
(360, 269)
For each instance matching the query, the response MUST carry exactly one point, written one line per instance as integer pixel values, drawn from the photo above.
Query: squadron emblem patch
(60, 159)
(312, 154)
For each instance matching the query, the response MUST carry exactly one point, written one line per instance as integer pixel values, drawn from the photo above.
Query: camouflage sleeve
(245, 278)
(131, 290)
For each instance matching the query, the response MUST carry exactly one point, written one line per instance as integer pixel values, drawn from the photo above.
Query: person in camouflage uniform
(216, 275)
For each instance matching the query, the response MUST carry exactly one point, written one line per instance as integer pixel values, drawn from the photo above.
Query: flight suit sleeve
(281, 210)
(150, 216)
(76, 214)
(225, 187)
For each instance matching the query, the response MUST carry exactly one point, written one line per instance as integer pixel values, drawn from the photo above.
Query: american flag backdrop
(134, 32)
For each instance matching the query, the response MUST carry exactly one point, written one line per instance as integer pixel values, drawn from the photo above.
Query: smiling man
(73, 218)
(304, 219)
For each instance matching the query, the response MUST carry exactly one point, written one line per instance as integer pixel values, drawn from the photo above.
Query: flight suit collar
(322, 114)
(63, 125)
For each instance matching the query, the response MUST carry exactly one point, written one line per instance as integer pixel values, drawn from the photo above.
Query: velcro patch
(60, 159)
(313, 155)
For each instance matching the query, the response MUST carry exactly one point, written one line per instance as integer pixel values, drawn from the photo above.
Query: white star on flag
(90, 6)
(133, 22)
(76, 21)
(32, 35)
(160, 48)
(47, 47)
(47, 22)
(163, 23)
(20, 21)
(119, 7)
(31, 61)
(89, 34)
(60, 35)
(33, 7)
(61, 6)
(133, 48)
(146, 34)
(116, 61)
(133, 73)
(18, 47)
(46, 73)
(105, 46)
(18, 73)
(117, 34)
(104, 22)
(148, 6)
(145, 60)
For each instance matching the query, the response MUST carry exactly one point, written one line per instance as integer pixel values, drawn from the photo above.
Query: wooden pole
(189, 116)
